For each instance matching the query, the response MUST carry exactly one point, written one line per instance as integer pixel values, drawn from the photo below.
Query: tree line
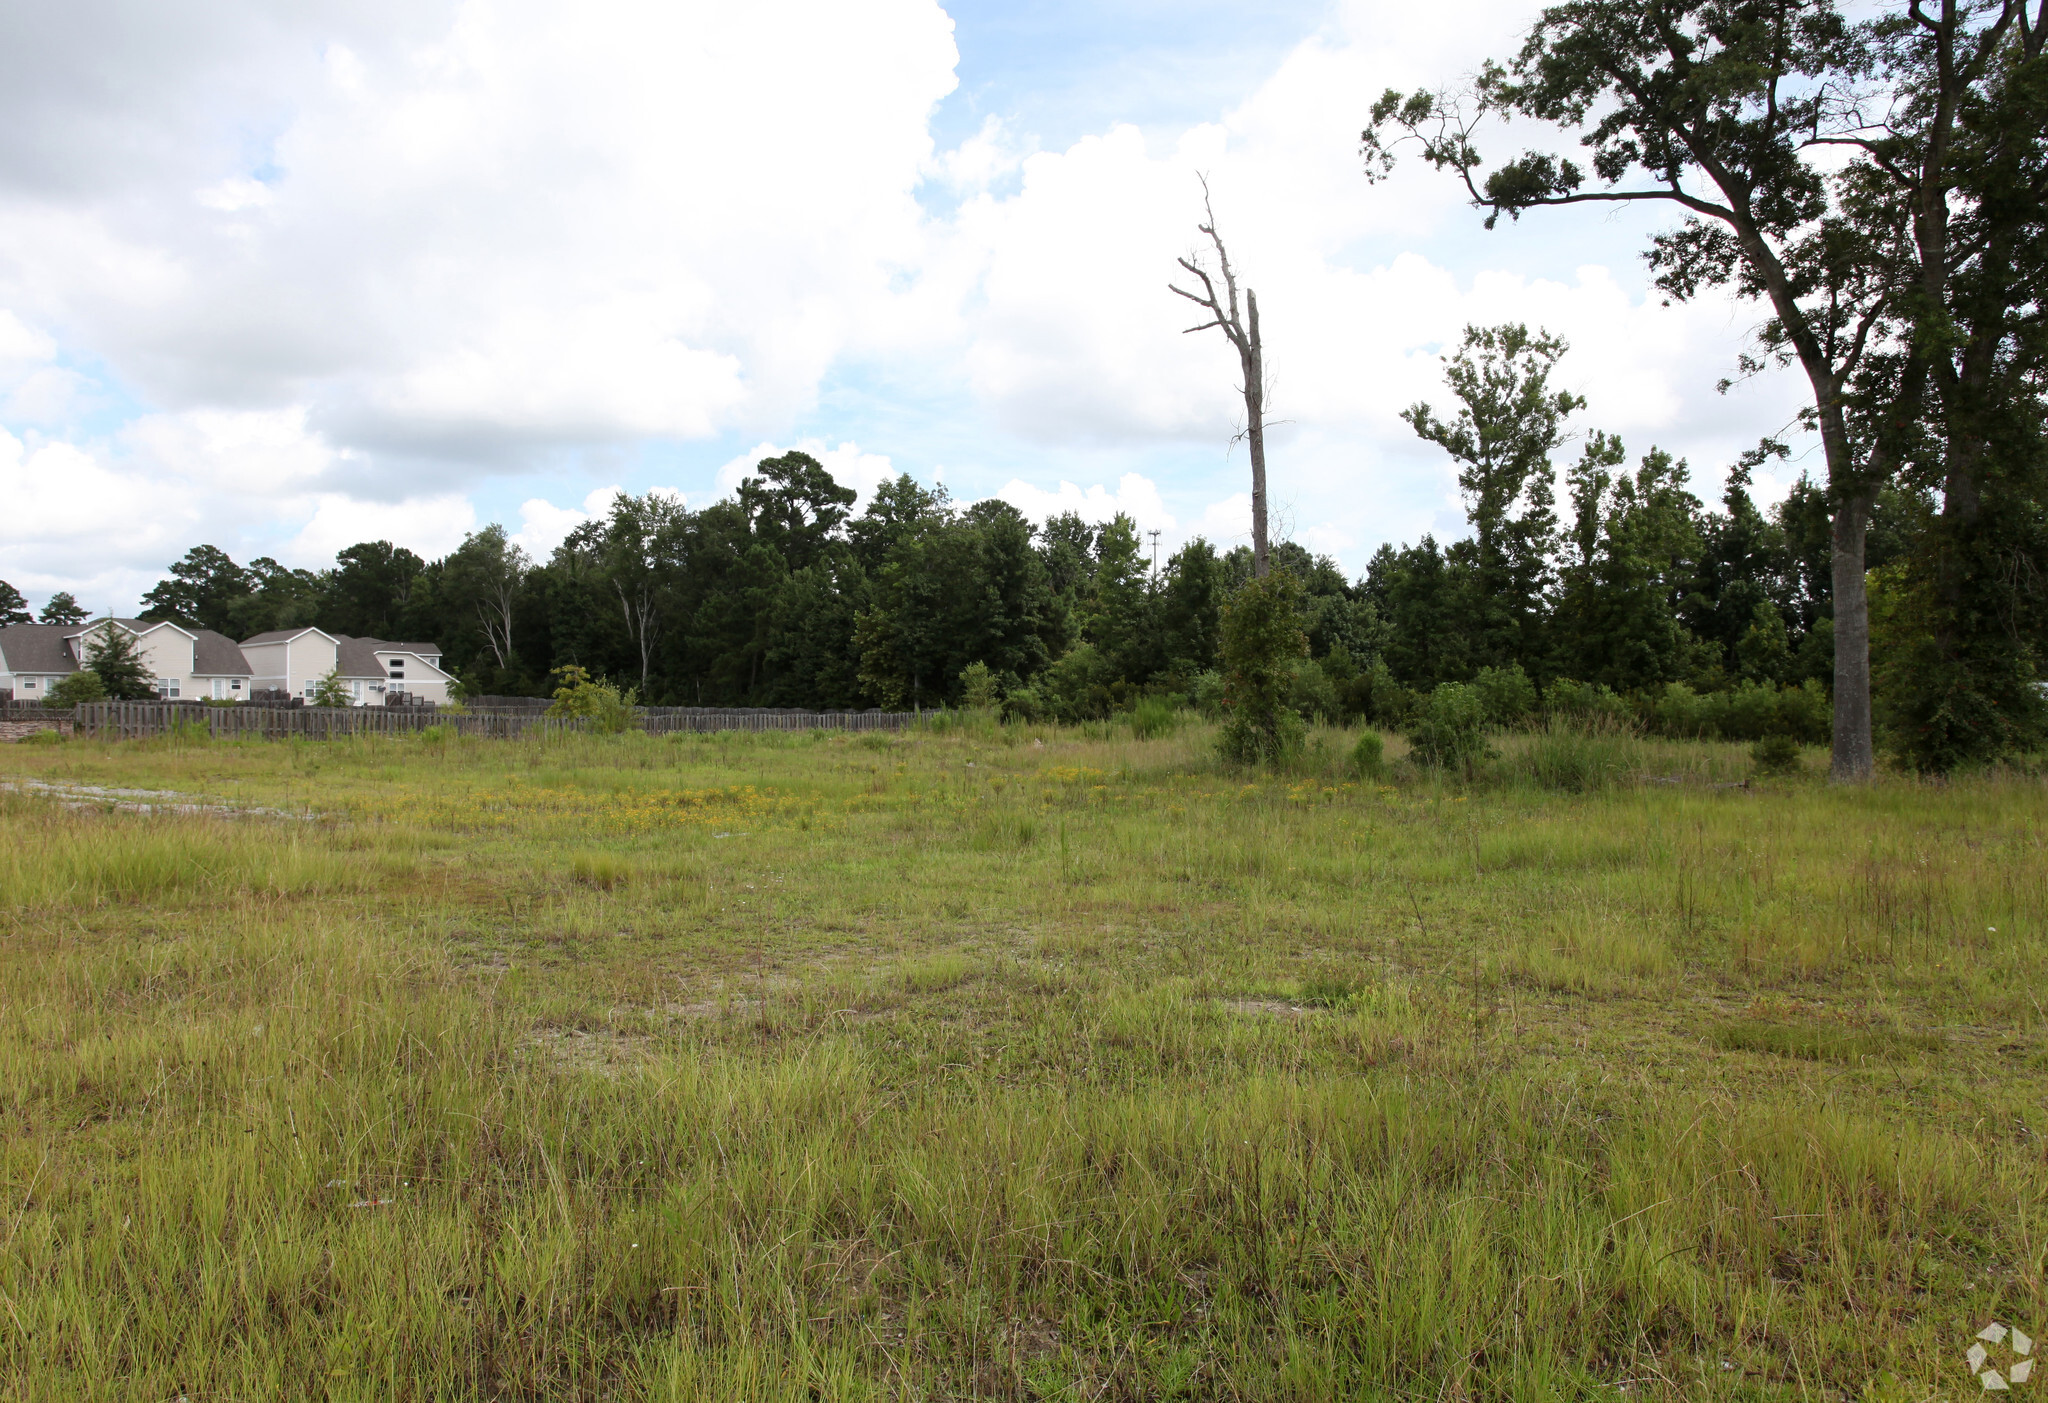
(1634, 597)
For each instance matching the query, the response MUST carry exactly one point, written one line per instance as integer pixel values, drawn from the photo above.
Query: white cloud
(481, 230)
(349, 260)
(1136, 496)
(543, 525)
(432, 526)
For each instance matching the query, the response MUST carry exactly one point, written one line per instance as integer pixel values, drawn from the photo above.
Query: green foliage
(62, 609)
(1508, 693)
(13, 608)
(1577, 756)
(75, 688)
(1313, 695)
(331, 690)
(978, 688)
(1081, 686)
(112, 652)
(1369, 756)
(1450, 729)
(602, 706)
(1582, 701)
(1746, 711)
(1776, 754)
(1153, 717)
(1262, 644)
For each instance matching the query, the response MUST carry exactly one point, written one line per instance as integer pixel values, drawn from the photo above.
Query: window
(167, 688)
(28, 684)
(235, 686)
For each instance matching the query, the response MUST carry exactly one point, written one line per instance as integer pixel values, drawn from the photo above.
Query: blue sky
(280, 282)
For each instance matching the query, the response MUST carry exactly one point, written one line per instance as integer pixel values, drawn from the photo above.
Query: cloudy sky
(285, 276)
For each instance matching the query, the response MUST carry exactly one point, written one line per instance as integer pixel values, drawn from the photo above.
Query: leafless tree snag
(1244, 335)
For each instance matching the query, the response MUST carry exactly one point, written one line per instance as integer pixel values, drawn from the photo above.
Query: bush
(1451, 728)
(978, 690)
(77, 689)
(1583, 701)
(1153, 717)
(1262, 644)
(1314, 696)
(1508, 693)
(1079, 687)
(1207, 694)
(1369, 756)
(1776, 754)
(580, 696)
(1377, 697)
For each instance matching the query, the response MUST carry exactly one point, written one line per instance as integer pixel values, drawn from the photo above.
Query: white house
(298, 660)
(188, 664)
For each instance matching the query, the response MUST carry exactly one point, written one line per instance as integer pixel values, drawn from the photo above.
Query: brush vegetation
(1009, 1062)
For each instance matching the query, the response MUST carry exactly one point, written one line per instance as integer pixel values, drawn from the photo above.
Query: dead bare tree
(1244, 335)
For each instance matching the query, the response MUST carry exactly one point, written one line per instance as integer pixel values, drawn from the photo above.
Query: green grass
(1013, 1063)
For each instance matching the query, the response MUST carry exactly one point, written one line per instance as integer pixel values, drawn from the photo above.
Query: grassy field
(1009, 1064)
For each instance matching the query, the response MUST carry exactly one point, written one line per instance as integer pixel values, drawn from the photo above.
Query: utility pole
(1154, 534)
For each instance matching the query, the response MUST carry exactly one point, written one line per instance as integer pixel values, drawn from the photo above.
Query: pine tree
(112, 653)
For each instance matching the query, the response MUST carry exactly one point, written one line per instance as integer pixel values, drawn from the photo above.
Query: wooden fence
(136, 720)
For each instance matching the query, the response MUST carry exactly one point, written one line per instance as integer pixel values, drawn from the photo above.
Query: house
(188, 664)
(297, 660)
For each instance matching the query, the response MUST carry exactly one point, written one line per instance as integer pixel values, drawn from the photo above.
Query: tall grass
(983, 1068)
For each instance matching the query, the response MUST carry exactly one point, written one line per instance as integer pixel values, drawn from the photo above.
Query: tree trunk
(1255, 432)
(1854, 758)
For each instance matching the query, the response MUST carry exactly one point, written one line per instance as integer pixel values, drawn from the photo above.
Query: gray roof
(37, 648)
(279, 635)
(217, 655)
(40, 648)
(425, 650)
(357, 657)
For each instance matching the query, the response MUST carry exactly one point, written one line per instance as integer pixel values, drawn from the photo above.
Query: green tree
(478, 586)
(112, 652)
(202, 592)
(13, 608)
(62, 610)
(1951, 193)
(1636, 547)
(579, 696)
(370, 590)
(1508, 424)
(332, 691)
(1709, 107)
(1262, 643)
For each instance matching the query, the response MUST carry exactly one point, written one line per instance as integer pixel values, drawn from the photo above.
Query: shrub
(1314, 696)
(1451, 727)
(1153, 717)
(1262, 643)
(1776, 754)
(1369, 756)
(332, 691)
(580, 696)
(1207, 694)
(1508, 693)
(1078, 687)
(76, 689)
(1582, 701)
(978, 690)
